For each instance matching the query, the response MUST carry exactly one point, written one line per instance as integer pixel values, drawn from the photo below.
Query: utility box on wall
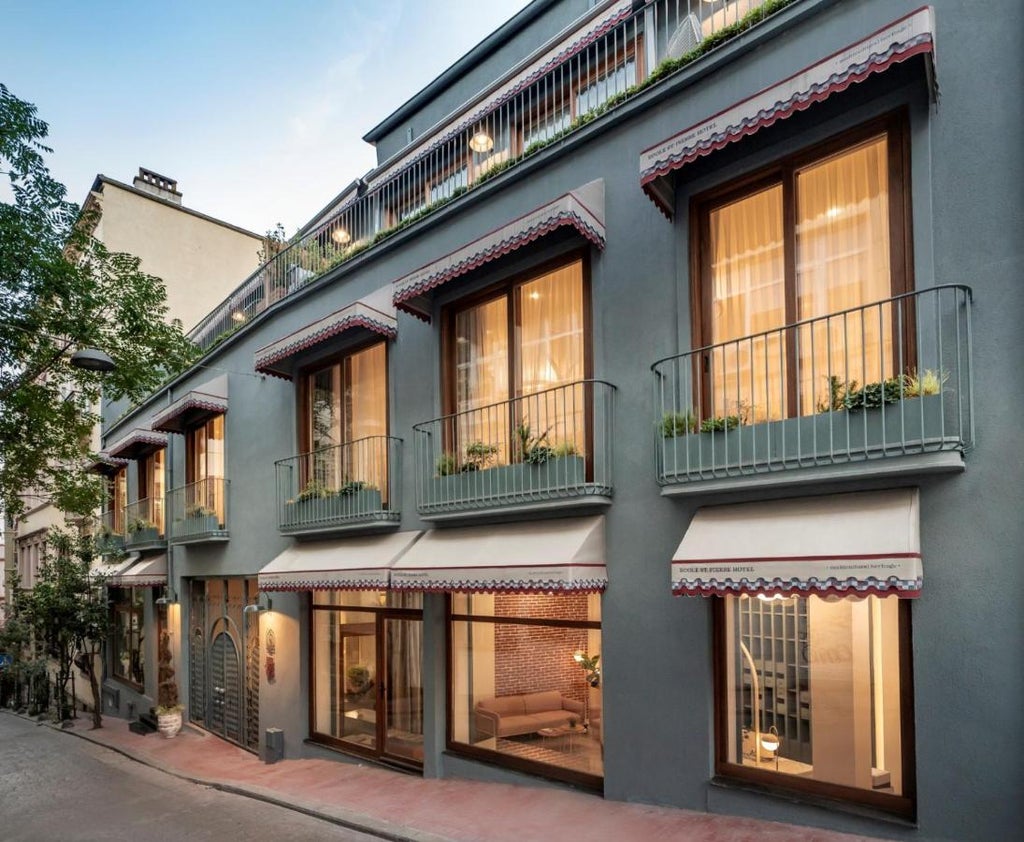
(273, 745)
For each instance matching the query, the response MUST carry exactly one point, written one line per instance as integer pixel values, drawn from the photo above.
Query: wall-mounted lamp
(341, 237)
(257, 608)
(481, 142)
(169, 598)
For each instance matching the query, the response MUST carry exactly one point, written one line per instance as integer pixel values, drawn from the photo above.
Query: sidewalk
(405, 807)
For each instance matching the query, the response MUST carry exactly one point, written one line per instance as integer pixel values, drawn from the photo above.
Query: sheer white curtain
(748, 378)
(842, 238)
(365, 414)
(481, 376)
(551, 354)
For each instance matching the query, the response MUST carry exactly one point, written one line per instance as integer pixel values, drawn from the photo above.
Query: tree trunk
(94, 686)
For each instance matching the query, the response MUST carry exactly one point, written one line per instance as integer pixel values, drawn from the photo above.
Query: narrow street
(54, 786)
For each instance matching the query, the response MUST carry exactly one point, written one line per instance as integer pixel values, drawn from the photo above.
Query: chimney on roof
(158, 185)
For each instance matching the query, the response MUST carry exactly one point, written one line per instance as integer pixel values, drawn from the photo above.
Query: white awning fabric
(546, 556)
(840, 544)
(109, 569)
(899, 41)
(148, 573)
(194, 406)
(375, 313)
(581, 209)
(354, 564)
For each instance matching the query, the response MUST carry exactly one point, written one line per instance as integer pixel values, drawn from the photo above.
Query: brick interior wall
(530, 659)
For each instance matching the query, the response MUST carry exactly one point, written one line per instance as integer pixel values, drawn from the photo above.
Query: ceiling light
(341, 237)
(481, 142)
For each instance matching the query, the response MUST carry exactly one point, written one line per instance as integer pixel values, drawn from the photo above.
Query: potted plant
(168, 709)
(200, 519)
(142, 531)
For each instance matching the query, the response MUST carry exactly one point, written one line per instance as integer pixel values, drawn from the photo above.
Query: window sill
(832, 805)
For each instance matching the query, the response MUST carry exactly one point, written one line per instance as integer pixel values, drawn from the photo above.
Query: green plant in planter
(446, 464)
(315, 490)
(534, 450)
(874, 395)
(167, 687)
(198, 511)
(838, 389)
(478, 456)
(720, 424)
(357, 678)
(674, 424)
(354, 486)
(918, 385)
(139, 524)
(564, 449)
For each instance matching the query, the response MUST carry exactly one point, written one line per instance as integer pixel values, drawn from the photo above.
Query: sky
(257, 108)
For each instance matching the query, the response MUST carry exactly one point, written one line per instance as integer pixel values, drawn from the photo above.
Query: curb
(354, 821)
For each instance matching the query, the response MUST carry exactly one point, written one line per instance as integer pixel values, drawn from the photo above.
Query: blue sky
(256, 108)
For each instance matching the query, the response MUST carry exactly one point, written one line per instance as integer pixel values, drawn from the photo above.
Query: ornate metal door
(225, 700)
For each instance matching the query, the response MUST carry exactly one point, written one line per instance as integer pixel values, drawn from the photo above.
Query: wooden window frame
(191, 434)
(904, 805)
(895, 127)
(116, 607)
(507, 289)
(519, 764)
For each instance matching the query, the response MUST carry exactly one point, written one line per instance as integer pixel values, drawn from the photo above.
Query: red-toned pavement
(406, 807)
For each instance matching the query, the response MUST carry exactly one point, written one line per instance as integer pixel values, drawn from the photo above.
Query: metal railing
(110, 534)
(551, 94)
(551, 445)
(357, 482)
(891, 378)
(144, 522)
(199, 511)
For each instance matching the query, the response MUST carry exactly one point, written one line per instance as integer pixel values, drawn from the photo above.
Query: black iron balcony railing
(199, 511)
(144, 524)
(884, 380)
(615, 54)
(339, 487)
(555, 445)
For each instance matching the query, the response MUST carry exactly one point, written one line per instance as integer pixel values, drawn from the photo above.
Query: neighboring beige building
(200, 259)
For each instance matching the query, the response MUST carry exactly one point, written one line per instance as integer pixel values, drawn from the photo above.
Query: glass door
(403, 696)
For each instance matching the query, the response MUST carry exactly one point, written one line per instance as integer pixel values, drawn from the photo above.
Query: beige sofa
(508, 716)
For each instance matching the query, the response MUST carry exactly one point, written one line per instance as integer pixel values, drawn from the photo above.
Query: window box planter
(200, 525)
(558, 476)
(146, 535)
(354, 505)
(694, 453)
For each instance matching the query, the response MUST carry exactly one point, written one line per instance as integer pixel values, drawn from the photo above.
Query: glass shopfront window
(813, 695)
(526, 682)
(129, 652)
(367, 673)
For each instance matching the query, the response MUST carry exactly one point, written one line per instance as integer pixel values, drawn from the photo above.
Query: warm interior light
(534, 296)
(481, 142)
(770, 598)
(770, 740)
(238, 316)
(341, 237)
(833, 212)
(382, 598)
(577, 657)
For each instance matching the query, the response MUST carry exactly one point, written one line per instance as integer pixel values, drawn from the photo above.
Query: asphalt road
(58, 787)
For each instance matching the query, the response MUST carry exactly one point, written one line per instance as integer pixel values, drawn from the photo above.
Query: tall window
(819, 235)
(128, 641)
(520, 691)
(151, 488)
(811, 696)
(116, 500)
(204, 459)
(367, 672)
(517, 358)
(345, 421)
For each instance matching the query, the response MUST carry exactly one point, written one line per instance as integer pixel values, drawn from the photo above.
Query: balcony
(110, 534)
(879, 390)
(613, 55)
(352, 486)
(144, 525)
(549, 450)
(199, 511)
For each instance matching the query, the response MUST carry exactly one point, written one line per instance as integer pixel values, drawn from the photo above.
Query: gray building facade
(747, 449)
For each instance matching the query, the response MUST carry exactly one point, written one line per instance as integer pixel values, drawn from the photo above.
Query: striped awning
(549, 556)
(194, 407)
(839, 544)
(375, 313)
(137, 443)
(581, 209)
(355, 564)
(899, 41)
(109, 569)
(148, 573)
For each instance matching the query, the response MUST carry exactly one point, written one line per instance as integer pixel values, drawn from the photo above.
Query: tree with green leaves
(68, 615)
(62, 290)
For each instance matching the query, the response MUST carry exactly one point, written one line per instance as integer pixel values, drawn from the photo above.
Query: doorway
(224, 659)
